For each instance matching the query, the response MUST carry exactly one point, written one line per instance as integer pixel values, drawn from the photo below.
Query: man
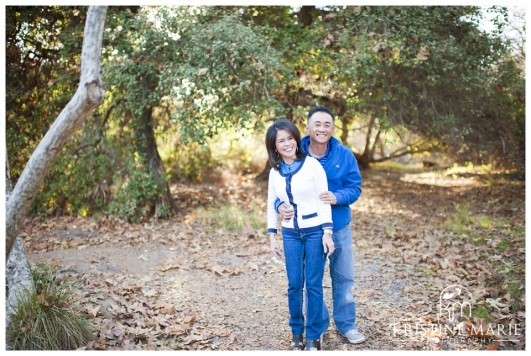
(344, 184)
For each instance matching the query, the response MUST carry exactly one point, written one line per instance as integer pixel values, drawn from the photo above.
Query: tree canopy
(408, 79)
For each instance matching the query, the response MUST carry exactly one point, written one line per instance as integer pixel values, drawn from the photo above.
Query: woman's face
(286, 146)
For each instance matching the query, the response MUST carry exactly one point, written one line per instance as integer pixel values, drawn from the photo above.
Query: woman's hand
(328, 244)
(275, 247)
(286, 211)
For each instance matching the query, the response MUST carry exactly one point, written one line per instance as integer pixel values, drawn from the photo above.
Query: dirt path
(173, 284)
(240, 292)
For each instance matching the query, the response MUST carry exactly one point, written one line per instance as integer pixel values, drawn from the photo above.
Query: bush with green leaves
(190, 162)
(137, 195)
(49, 317)
(77, 185)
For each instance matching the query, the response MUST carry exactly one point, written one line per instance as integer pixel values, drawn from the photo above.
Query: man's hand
(327, 198)
(286, 211)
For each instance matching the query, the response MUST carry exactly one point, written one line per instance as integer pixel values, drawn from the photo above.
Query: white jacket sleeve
(272, 215)
(321, 186)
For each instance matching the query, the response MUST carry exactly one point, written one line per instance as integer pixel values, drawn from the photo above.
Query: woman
(297, 180)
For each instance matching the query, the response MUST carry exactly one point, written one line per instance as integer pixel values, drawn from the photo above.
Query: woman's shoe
(314, 345)
(297, 342)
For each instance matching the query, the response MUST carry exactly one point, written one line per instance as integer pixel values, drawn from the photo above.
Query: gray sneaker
(354, 336)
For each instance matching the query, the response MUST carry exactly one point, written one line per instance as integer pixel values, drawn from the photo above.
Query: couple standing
(312, 183)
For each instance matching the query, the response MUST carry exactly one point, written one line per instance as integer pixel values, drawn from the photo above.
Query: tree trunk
(9, 184)
(147, 147)
(365, 158)
(264, 175)
(89, 95)
(304, 16)
(18, 272)
(18, 277)
(344, 133)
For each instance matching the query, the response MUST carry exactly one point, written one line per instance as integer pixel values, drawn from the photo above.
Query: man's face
(320, 127)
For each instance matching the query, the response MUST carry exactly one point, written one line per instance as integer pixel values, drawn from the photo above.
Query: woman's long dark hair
(271, 138)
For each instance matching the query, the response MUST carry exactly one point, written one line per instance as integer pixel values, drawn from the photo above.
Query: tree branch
(89, 94)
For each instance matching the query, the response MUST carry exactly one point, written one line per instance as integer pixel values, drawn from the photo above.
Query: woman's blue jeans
(305, 261)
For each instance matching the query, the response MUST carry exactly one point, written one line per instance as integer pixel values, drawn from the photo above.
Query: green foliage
(503, 245)
(192, 162)
(229, 217)
(463, 223)
(79, 180)
(69, 190)
(231, 152)
(49, 316)
(426, 271)
(398, 167)
(469, 167)
(516, 289)
(482, 311)
(224, 78)
(428, 69)
(138, 196)
(462, 216)
(422, 77)
(242, 152)
(39, 74)
(520, 231)
(213, 72)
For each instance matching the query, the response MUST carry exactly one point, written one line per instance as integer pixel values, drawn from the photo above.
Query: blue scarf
(287, 169)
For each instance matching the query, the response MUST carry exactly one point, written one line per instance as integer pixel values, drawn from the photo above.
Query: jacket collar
(305, 143)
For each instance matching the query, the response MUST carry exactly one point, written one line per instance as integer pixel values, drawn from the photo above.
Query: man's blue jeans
(342, 275)
(305, 261)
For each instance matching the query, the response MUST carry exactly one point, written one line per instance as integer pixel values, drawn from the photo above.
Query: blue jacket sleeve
(351, 189)
(278, 203)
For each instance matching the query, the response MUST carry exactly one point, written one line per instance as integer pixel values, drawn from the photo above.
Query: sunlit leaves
(225, 75)
(414, 71)
(38, 74)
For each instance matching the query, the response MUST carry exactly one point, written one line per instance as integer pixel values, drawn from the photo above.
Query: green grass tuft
(230, 217)
(503, 245)
(48, 317)
(462, 223)
(483, 312)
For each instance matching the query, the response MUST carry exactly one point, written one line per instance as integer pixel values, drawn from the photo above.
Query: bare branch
(89, 94)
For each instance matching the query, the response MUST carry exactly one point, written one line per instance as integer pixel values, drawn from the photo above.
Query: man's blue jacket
(344, 178)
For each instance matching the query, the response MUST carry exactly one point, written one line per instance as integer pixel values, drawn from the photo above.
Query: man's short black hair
(320, 108)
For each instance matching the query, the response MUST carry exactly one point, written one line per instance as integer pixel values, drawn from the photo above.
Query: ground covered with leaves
(206, 280)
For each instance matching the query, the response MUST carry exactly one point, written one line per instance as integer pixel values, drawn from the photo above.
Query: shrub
(190, 163)
(49, 317)
(76, 185)
(137, 197)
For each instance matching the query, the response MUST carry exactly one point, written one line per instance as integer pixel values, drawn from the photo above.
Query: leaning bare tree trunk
(89, 95)
(18, 272)
(18, 277)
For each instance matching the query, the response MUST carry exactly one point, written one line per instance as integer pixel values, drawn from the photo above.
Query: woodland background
(431, 104)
